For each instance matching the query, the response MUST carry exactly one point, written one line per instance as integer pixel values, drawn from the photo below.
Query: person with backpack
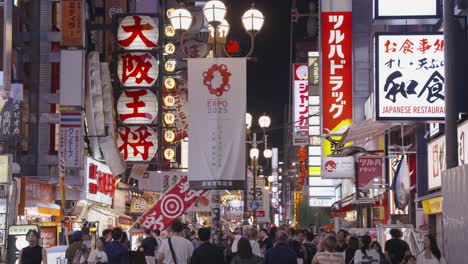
(366, 255)
(77, 252)
(309, 247)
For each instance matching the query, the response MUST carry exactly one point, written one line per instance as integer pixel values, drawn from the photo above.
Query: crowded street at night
(233, 132)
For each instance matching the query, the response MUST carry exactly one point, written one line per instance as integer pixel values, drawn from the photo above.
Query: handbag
(172, 251)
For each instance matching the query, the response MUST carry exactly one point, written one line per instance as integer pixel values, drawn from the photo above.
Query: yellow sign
(169, 12)
(169, 136)
(170, 65)
(169, 153)
(378, 213)
(433, 206)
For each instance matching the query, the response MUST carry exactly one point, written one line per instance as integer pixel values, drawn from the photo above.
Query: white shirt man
(182, 248)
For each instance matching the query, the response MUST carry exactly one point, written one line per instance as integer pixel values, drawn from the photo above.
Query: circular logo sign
(169, 153)
(169, 31)
(169, 101)
(169, 118)
(170, 65)
(169, 83)
(330, 166)
(169, 48)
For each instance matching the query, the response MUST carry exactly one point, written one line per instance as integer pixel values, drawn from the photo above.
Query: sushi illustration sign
(409, 76)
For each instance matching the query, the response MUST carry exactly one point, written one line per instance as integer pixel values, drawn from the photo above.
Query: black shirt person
(32, 254)
(395, 248)
(148, 246)
(206, 253)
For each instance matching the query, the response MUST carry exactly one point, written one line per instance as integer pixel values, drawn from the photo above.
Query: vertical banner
(72, 29)
(11, 108)
(173, 204)
(301, 104)
(71, 139)
(337, 71)
(216, 117)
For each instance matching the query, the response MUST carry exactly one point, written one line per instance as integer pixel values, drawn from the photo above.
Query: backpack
(366, 259)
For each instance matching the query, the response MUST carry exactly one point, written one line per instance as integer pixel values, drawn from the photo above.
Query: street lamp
(264, 122)
(215, 12)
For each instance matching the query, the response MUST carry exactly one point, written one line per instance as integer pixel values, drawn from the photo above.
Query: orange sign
(72, 23)
(35, 191)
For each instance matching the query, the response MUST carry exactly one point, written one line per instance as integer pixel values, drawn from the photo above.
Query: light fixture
(268, 153)
(274, 189)
(248, 120)
(254, 152)
(223, 30)
(181, 19)
(214, 12)
(252, 20)
(264, 121)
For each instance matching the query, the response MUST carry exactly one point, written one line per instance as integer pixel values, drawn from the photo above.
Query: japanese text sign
(391, 9)
(303, 169)
(99, 182)
(11, 109)
(137, 143)
(138, 33)
(301, 104)
(72, 31)
(337, 73)
(173, 204)
(338, 168)
(137, 69)
(137, 107)
(410, 81)
(370, 168)
(71, 139)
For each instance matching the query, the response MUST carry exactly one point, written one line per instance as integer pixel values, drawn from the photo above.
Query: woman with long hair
(431, 253)
(244, 253)
(353, 246)
(366, 254)
(97, 255)
(329, 254)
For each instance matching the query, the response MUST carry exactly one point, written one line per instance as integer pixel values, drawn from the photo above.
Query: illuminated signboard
(137, 69)
(137, 107)
(409, 76)
(137, 143)
(337, 70)
(100, 183)
(138, 33)
(301, 104)
(394, 9)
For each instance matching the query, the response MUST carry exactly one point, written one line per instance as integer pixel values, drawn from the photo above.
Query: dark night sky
(268, 78)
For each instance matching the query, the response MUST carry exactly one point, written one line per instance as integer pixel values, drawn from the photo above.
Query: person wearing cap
(77, 249)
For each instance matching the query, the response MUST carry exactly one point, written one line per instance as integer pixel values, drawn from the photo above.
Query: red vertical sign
(337, 72)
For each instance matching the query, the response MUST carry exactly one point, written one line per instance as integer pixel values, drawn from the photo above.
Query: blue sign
(254, 205)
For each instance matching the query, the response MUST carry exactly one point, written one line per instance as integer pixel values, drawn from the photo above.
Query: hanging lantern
(137, 107)
(138, 33)
(169, 101)
(169, 153)
(170, 65)
(137, 69)
(169, 118)
(169, 31)
(137, 143)
(169, 136)
(169, 83)
(169, 48)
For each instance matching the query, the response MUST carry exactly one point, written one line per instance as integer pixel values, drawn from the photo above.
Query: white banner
(338, 168)
(217, 106)
(71, 139)
(159, 181)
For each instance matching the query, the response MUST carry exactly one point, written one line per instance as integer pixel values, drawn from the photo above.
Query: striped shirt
(330, 257)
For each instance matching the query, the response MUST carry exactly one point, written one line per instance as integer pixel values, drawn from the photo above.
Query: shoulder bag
(172, 251)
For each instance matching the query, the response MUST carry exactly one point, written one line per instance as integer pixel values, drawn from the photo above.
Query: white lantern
(137, 69)
(214, 12)
(169, 153)
(254, 152)
(267, 153)
(252, 20)
(137, 143)
(181, 19)
(248, 120)
(138, 33)
(264, 121)
(223, 29)
(137, 106)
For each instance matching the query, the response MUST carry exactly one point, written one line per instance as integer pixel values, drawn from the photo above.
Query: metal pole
(356, 184)
(254, 210)
(7, 43)
(216, 217)
(450, 53)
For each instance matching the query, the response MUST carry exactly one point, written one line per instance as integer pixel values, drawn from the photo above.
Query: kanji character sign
(138, 33)
(137, 69)
(137, 143)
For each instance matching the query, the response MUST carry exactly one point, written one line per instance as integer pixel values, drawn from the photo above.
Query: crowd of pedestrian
(246, 245)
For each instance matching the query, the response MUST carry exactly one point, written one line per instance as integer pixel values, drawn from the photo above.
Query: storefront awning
(42, 208)
(366, 129)
(123, 218)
